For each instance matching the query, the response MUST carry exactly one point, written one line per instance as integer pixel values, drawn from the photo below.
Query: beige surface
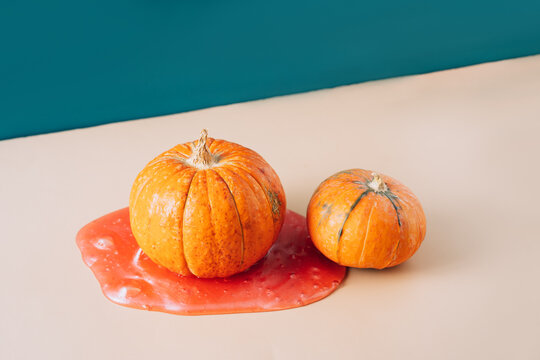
(465, 141)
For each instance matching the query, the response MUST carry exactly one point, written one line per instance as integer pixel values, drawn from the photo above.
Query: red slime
(292, 274)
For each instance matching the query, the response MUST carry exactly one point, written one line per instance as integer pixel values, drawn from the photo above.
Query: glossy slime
(292, 274)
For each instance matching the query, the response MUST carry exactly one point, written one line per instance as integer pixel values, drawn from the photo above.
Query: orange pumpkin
(362, 219)
(210, 208)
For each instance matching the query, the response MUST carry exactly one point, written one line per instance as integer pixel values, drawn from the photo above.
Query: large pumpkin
(210, 208)
(362, 219)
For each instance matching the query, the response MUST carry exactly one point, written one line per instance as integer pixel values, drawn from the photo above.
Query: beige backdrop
(465, 141)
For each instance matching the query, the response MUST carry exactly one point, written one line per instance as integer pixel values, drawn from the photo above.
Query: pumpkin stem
(201, 157)
(377, 184)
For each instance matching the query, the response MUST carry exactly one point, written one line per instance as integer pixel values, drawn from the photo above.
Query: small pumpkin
(363, 219)
(210, 208)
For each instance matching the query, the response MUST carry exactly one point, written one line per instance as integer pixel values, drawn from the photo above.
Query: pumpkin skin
(210, 208)
(361, 219)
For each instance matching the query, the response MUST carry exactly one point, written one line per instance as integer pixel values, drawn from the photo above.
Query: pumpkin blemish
(274, 201)
(326, 211)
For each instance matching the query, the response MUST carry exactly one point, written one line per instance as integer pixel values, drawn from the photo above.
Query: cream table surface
(466, 141)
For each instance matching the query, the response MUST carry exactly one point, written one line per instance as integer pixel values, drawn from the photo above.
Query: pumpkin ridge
(340, 232)
(421, 215)
(363, 181)
(391, 196)
(184, 218)
(402, 200)
(174, 153)
(406, 199)
(395, 252)
(262, 188)
(136, 191)
(175, 158)
(215, 251)
(149, 220)
(218, 152)
(237, 214)
(367, 233)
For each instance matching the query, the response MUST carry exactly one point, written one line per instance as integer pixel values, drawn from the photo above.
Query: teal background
(69, 64)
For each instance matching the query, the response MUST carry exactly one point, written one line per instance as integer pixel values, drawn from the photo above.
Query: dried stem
(377, 184)
(201, 157)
